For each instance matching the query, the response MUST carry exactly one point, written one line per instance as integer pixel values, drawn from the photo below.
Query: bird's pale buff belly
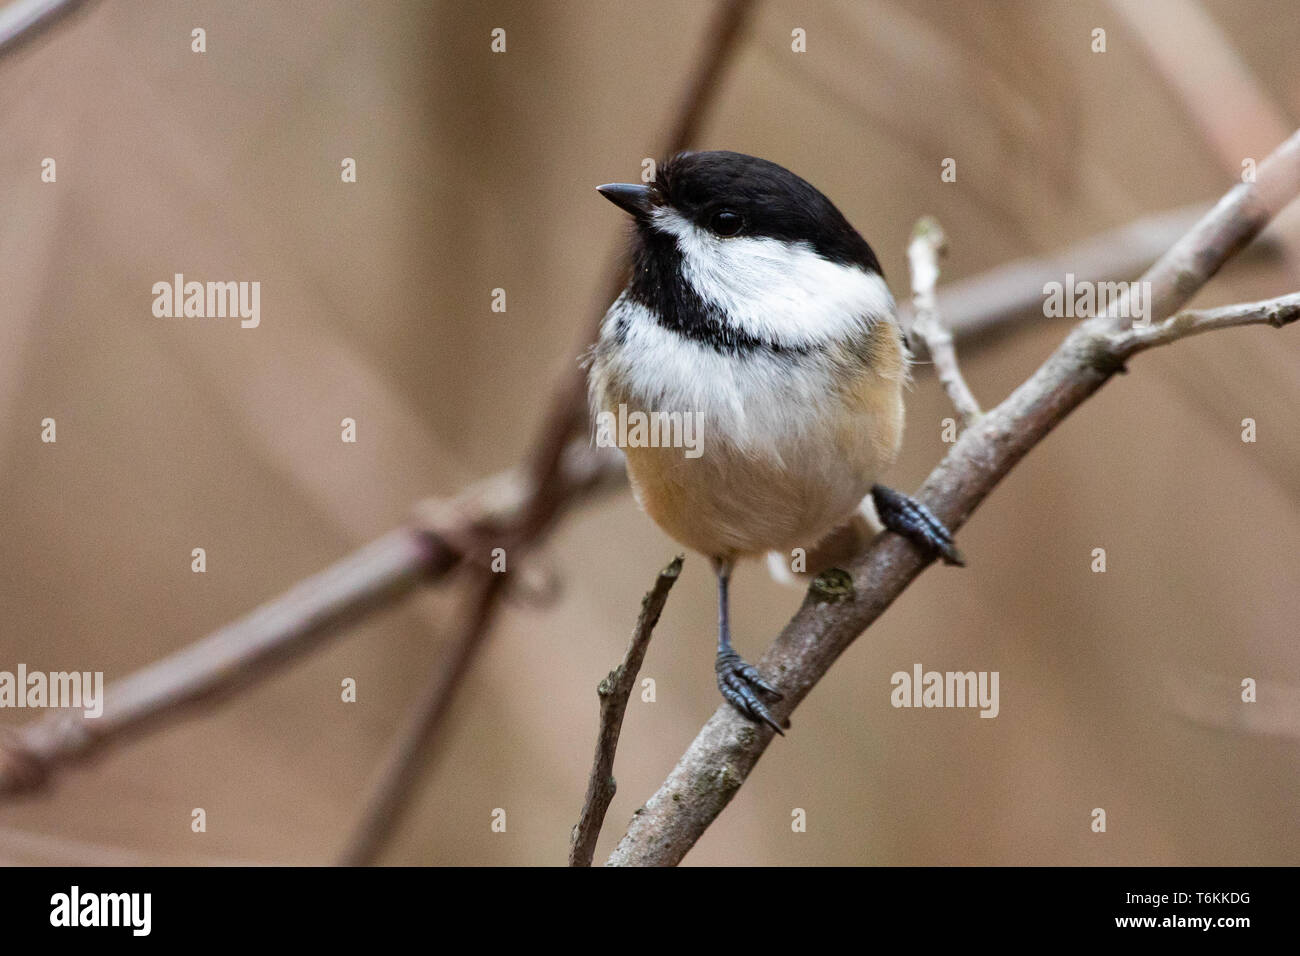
(731, 502)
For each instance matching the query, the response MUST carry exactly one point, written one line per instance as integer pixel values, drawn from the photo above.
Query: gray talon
(738, 681)
(914, 521)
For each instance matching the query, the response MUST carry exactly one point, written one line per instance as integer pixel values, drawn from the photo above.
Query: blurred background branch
(24, 20)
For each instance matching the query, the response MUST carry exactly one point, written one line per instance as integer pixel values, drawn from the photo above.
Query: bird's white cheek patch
(779, 291)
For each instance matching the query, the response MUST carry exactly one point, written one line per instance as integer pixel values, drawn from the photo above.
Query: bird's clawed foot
(740, 684)
(914, 521)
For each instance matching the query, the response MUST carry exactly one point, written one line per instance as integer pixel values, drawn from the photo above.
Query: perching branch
(613, 692)
(928, 244)
(834, 613)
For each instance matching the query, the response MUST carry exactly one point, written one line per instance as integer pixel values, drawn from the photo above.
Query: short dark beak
(631, 197)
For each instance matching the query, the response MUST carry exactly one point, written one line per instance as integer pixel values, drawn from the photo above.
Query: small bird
(757, 310)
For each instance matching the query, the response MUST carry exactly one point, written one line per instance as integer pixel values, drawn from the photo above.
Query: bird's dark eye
(726, 223)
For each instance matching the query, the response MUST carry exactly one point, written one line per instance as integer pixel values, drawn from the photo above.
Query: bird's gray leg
(739, 682)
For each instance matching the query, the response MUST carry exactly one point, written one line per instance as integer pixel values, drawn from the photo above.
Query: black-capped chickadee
(755, 311)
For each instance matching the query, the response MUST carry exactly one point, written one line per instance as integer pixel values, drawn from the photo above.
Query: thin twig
(923, 253)
(1275, 312)
(833, 614)
(614, 692)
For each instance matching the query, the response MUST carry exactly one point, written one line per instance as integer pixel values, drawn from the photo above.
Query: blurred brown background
(475, 171)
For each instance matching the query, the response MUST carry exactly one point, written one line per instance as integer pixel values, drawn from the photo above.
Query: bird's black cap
(771, 200)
